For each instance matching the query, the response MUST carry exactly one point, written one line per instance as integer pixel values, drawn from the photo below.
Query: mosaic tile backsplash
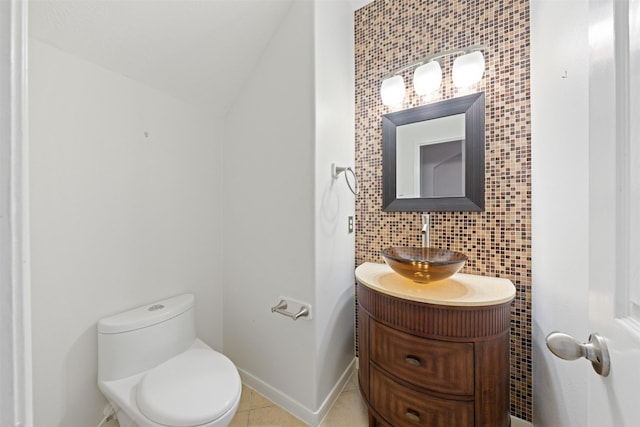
(392, 33)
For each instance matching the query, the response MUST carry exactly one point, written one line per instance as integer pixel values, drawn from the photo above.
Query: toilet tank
(140, 339)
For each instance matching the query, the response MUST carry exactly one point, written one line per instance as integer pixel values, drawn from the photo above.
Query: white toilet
(156, 373)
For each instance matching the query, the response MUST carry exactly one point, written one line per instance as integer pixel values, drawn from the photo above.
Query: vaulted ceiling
(199, 51)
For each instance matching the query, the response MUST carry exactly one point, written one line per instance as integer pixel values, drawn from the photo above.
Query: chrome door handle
(566, 347)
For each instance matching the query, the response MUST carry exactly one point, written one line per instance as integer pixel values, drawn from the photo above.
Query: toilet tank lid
(146, 315)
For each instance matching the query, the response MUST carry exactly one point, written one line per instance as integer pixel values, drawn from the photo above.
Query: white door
(613, 268)
(614, 212)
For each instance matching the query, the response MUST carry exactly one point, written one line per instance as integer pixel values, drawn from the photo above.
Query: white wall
(559, 101)
(269, 215)
(118, 219)
(335, 143)
(285, 218)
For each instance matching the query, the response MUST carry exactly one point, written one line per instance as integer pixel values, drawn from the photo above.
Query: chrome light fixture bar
(427, 77)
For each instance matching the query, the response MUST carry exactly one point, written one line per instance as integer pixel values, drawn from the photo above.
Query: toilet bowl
(156, 373)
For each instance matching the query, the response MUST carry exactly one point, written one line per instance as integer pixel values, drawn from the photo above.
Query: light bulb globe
(427, 78)
(392, 90)
(468, 69)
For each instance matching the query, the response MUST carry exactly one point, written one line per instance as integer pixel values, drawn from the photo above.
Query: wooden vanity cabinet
(433, 365)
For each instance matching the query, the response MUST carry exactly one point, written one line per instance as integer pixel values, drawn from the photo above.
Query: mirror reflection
(430, 158)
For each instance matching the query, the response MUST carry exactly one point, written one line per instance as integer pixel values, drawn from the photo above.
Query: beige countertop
(458, 290)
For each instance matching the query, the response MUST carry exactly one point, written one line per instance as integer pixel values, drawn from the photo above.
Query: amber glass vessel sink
(424, 265)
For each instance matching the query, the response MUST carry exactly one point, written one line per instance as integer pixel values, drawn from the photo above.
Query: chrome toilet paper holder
(281, 308)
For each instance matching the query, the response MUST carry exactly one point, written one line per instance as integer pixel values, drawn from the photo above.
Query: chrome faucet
(426, 230)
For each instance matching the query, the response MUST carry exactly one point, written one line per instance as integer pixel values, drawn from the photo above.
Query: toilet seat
(191, 389)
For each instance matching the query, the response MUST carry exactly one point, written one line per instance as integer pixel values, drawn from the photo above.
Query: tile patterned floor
(257, 411)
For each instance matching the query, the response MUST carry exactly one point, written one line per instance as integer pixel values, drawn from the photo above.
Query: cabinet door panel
(441, 366)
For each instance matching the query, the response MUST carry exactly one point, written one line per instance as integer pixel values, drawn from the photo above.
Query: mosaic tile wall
(392, 33)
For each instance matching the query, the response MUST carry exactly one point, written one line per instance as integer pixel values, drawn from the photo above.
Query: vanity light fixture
(427, 77)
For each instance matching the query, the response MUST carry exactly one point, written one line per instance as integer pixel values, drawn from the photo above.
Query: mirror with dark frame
(433, 157)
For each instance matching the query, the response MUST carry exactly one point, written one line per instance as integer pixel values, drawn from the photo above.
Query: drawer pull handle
(412, 360)
(412, 415)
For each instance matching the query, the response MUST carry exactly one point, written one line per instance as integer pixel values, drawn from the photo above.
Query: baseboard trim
(313, 418)
(517, 422)
(331, 398)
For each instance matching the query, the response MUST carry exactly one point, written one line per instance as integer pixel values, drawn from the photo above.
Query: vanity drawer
(403, 407)
(440, 366)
